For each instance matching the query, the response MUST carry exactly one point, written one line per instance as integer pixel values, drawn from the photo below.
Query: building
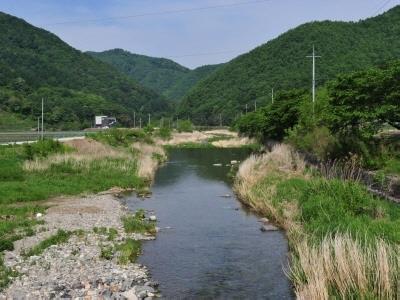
(105, 122)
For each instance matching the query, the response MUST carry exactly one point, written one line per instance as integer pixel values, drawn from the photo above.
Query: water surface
(209, 246)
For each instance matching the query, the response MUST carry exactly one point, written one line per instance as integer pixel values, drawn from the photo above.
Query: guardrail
(14, 137)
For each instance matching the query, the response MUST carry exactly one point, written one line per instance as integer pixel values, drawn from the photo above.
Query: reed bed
(346, 268)
(82, 154)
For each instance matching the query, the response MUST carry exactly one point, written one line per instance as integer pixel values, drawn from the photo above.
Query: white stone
(153, 218)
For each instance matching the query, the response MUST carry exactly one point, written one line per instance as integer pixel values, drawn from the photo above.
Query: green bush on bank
(184, 126)
(118, 137)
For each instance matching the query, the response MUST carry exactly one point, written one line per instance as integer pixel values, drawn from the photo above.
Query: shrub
(184, 126)
(164, 133)
(43, 148)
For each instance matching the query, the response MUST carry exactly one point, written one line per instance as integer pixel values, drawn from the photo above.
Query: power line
(385, 3)
(202, 54)
(165, 12)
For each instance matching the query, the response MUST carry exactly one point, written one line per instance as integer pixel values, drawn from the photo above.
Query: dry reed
(84, 152)
(149, 157)
(348, 267)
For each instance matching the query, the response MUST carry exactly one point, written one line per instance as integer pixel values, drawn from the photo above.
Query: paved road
(29, 136)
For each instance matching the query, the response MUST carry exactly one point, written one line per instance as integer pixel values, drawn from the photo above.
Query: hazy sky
(220, 33)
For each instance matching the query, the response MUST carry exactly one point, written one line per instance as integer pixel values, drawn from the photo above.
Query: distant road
(29, 136)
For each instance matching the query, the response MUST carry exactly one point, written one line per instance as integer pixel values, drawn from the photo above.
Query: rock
(130, 295)
(268, 227)
(217, 165)
(234, 162)
(226, 196)
(264, 220)
(39, 215)
(142, 294)
(151, 283)
(153, 218)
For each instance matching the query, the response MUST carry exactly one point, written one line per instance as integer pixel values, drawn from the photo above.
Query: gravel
(75, 270)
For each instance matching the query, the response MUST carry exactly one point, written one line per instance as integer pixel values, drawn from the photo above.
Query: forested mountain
(36, 64)
(281, 64)
(189, 80)
(160, 74)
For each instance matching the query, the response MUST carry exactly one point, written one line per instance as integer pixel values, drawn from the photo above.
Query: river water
(209, 246)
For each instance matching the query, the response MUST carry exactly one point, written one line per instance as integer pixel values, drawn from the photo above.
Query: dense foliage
(282, 64)
(159, 74)
(348, 118)
(35, 63)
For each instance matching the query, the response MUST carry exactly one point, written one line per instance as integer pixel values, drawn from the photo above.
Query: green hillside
(36, 64)
(159, 74)
(281, 64)
(189, 80)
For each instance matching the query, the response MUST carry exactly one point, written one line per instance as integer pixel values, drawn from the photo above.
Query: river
(209, 246)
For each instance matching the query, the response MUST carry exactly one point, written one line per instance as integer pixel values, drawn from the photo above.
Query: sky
(191, 32)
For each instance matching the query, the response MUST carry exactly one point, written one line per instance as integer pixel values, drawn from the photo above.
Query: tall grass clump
(345, 268)
(344, 241)
(148, 158)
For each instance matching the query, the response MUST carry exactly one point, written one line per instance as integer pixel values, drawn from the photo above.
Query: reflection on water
(209, 247)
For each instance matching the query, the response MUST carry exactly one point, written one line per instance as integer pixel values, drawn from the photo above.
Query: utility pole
(272, 95)
(42, 118)
(134, 119)
(313, 56)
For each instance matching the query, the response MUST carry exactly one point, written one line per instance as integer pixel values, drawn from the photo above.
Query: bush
(164, 133)
(121, 137)
(43, 148)
(317, 140)
(184, 126)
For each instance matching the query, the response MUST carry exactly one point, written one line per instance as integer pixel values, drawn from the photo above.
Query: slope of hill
(159, 74)
(35, 63)
(282, 64)
(186, 82)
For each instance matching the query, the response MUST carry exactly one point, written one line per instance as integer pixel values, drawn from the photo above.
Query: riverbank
(344, 242)
(66, 245)
(68, 258)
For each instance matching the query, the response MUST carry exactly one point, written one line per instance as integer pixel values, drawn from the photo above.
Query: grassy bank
(31, 174)
(344, 242)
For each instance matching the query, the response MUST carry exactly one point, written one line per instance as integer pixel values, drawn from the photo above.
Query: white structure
(104, 121)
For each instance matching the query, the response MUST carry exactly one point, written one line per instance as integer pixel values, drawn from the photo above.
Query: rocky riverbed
(76, 269)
